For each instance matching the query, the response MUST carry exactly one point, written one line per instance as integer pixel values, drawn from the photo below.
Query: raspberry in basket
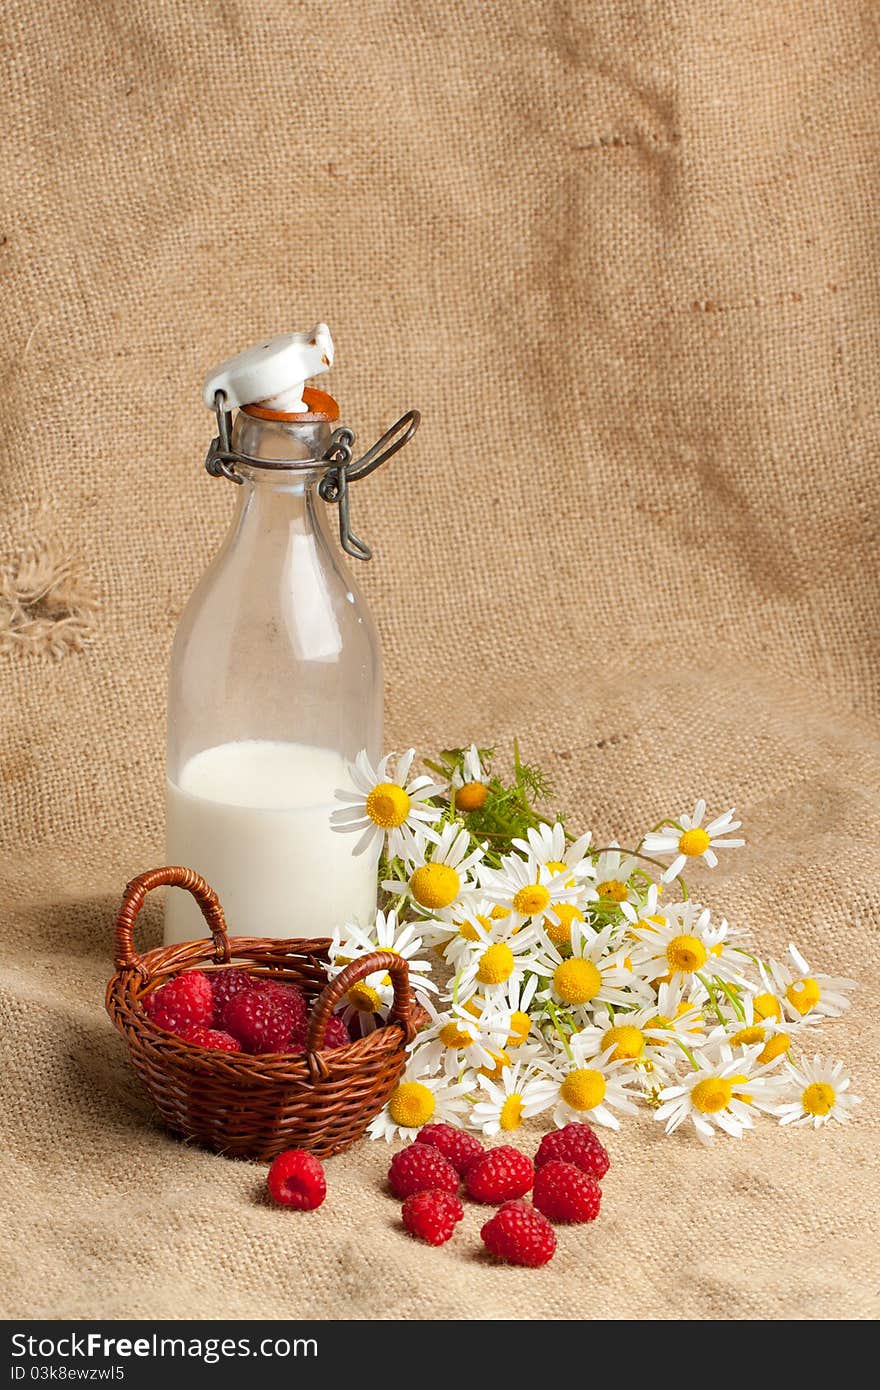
(336, 1033)
(575, 1143)
(296, 1179)
(519, 1235)
(419, 1167)
(214, 1038)
(226, 984)
(431, 1215)
(264, 1020)
(291, 997)
(566, 1194)
(183, 1000)
(462, 1149)
(501, 1175)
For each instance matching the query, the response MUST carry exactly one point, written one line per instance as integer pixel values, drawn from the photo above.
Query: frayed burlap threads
(48, 603)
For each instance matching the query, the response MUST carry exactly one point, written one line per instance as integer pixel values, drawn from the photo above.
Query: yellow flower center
(511, 1113)
(577, 981)
(471, 797)
(767, 1006)
(388, 805)
(712, 1094)
(627, 1041)
(362, 996)
(531, 900)
(473, 1007)
(468, 931)
(694, 842)
(746, 1036)
(774, 1047)
(498, 913)
(496, 964)
(686, 953)
(804, 994)
(435, 885)
(411, 1105)
(452, 1035)
(583, 1089)
(560, 932)
(818, 1098)
(520, 1027)
(500, 1060)
(613, 889)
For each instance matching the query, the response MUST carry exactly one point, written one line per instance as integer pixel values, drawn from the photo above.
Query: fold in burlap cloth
(624, 259)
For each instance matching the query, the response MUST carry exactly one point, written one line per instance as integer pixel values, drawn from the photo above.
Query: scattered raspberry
(431, 1215)
(336, 1035)
(209, 1037)
(519, 1235)
(462, 1149)
(565, 1193)
(500, 1175)
(420, 1167)
(575, 1143)
(185, 999)
(225, 985)
(296, 1179)
(264, 1021)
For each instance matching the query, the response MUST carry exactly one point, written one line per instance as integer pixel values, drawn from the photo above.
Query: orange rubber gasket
(321, 406)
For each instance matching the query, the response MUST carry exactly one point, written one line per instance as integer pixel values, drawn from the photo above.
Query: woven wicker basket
(256, 1106)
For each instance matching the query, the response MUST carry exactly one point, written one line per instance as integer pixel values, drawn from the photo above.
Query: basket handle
(401, 1009)
(124, 955)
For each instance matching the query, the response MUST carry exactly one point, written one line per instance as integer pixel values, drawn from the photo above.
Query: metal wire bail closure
(333, 487)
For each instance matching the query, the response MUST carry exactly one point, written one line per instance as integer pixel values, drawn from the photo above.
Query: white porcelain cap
(272, 374)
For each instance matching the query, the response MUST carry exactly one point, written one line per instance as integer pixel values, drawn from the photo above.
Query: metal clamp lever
(333, 487)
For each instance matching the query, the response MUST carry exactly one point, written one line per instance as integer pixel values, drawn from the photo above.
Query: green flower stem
(686, 1050)
(707, 984)
(732, 996)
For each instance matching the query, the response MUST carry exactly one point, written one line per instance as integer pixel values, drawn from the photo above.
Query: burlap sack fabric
(623, 256)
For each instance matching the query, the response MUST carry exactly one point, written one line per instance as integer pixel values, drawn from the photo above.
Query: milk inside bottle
(276, 674)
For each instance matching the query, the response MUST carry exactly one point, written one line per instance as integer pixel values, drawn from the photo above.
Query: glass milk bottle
(276, 670)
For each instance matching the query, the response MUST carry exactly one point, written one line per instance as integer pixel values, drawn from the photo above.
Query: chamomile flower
(635, 1036)
(814, 1093)
(383, 803)
(611, 876)
(546, 845)
(418, 1100)
(686, 944)
(749, 1027)
(457, 1038)
(806, 993)
(492, 961)
(718, 1094)
(438, 870)
(644, 913)
(690, 839)
(679, 1017)
(471, 782)
(521, 1093)
(517, 999)
(352, 941)
(592, 1087)
(592, 975)
(529, 890)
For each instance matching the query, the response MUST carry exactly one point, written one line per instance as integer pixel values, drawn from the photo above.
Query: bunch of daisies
(567, 980)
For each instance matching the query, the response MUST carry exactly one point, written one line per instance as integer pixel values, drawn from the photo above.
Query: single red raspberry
(575, 1143)
(501, 1175)
(336, 1034)
(296, 1179)
(565, 1193)
(462, 1149)
(419, 1167)
(431, 1215)
(291, 996)
(185, 999)
(519, 1235)
(226, 984)
(264, 1021)
(209, 1037)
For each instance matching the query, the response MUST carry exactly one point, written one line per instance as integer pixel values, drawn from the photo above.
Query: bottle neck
(282, 444)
